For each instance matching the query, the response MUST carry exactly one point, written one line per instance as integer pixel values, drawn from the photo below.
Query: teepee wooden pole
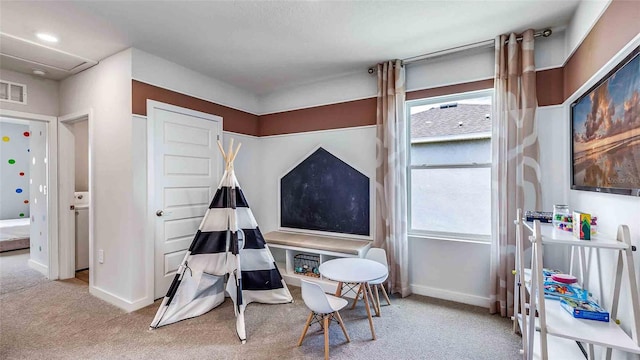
(230, 155)
(224, 156)
(235, 153)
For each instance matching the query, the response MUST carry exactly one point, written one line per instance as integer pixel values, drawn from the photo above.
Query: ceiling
(262, 46)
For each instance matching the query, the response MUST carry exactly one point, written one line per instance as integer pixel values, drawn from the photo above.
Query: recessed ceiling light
(47, 37)
(39, 72)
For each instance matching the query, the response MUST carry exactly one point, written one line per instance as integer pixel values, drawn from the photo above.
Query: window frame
(442, 235)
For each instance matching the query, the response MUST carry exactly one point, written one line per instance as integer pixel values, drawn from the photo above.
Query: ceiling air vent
(13, 92)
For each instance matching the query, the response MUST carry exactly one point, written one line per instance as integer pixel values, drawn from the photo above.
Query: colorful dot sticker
(21, 214)
(28, 150)
(21, 173)
(11, 161)
(26, 133)
(18, 190)
(26, 201)
(6, 138)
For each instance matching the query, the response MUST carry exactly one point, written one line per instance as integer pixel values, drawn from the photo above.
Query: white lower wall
(450, 270)
(106, 90)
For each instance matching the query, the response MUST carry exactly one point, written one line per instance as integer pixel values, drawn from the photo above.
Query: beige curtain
(391, 180)
(515, 169)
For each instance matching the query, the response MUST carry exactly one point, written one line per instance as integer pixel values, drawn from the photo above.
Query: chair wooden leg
(365, 297)
(384, 292)
(306, 327)
(344, 330)
(377, 291)
(355, 300)
(326, 337)
(373, 301)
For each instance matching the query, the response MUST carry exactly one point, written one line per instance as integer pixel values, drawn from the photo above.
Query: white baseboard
(450, 295)
(116, 300)
(39, 267)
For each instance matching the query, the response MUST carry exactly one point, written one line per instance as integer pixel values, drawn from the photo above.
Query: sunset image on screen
(606, 132)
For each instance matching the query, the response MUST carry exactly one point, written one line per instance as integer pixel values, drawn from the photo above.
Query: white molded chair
(378, 255)
(324, 308)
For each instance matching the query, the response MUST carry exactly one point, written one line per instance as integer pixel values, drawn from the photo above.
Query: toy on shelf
(557, 290)
(306, 264)
(582, 225)
(588, 309)
(563, 220)
(564, 278)
(543, 216)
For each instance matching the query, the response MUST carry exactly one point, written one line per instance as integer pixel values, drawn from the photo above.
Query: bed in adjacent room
(14, 234)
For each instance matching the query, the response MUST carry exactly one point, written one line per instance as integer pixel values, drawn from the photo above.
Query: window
(449, 170)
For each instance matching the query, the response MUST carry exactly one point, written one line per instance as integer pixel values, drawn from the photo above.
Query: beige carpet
(42, 319)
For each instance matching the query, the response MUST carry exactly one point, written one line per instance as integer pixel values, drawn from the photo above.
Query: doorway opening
(75, 204)
(24, 201)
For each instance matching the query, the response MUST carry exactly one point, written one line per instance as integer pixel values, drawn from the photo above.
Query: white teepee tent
(228, 242)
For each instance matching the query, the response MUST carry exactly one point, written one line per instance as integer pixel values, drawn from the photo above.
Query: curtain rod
(475, 45)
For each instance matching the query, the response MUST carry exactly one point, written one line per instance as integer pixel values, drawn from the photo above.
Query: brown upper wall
(550, 86)
(334, 116)
(619, 24)
(233, 120)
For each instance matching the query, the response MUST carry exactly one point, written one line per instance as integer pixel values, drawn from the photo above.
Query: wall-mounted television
(605, 128)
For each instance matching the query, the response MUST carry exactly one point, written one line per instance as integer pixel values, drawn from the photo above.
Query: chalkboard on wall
(323, 193)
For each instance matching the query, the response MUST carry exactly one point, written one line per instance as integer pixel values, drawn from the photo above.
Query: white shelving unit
(308, 244)
(554, 333)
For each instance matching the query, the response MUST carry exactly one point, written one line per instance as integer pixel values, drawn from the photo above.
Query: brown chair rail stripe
(233, 120)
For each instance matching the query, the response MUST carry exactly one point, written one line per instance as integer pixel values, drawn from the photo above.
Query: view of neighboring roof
(451, 119)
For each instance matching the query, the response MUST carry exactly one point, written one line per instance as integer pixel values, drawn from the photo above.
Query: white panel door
(66, 201)
(185, 166)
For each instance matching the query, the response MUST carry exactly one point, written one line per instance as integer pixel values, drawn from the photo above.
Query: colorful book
(588, 309)
(557, 291)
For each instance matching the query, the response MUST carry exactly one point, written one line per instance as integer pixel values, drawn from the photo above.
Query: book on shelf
(587, 309)
(557, 291)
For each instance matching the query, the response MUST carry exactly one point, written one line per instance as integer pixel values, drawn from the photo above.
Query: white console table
(326, 247)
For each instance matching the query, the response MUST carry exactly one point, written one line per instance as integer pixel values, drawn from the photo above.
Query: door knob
(159, 213)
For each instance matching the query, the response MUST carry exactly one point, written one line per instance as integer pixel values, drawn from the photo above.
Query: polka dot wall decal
(21, 173)
(21, 214)
(6, 138)
(28, 150)
(18, 190)
(26, 133)
(11, 161)
(26, 201)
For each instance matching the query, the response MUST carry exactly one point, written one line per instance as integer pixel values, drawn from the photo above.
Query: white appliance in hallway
(82, 229)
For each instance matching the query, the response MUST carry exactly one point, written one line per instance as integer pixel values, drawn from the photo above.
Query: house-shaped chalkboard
(323, 193)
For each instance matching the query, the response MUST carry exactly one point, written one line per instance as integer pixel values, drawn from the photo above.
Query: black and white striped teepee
(228, 246)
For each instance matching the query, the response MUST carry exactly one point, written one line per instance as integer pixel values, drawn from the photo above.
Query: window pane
(451, 152)
(451, 200)
(451, 132)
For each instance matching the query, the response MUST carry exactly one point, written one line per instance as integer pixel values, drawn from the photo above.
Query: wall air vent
(13, 92)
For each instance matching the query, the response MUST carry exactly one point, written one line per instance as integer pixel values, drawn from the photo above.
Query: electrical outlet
(101, 256)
